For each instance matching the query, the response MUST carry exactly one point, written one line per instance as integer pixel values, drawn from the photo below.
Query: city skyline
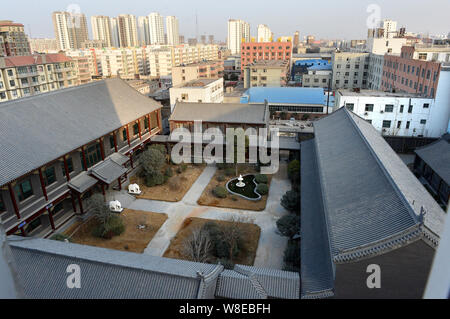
(38, 22)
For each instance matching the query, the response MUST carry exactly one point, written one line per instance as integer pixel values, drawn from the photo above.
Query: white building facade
(397, 114)
(156, 28)
(238, 31)
(264, 33)
(197, 91)
(101, 29)
(172, 27)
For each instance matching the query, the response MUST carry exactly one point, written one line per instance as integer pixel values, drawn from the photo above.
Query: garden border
(245, 197)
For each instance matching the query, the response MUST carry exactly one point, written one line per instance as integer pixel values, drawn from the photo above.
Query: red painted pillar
(44, 190)
(120, 184)
(131, 160)
(80, 202)
(66, 168)
(149, 126)
(50, 217)
(128, 136)
(72, 199)
(115, 141)
(139, 128)
(13, 199)
(102, 148)
(84, 158)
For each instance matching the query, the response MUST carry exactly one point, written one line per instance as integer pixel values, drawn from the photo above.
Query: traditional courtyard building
(361, 206)
(59, 147)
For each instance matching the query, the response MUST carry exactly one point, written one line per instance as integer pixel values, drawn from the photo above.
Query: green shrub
(159, 147)
(261, 179)
(229, 171)
(289, 225)
(220, 192)
(60, 237)
(220, 178)
(226, 263)
(292, 256)
(220, 166)
(114, 227)
(262, 189)
(168, 172)
(291, 201)
(294, 170)
(183, 167)
(159, 179)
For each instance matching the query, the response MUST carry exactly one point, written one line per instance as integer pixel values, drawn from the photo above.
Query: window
(407, 124)
(93, 154)
(124, 134)
(58, 208)
(69, 166)
(426, 105)
(389, 108)
(386, 124)
(111, 142)
(49, 176)
(350, 106)
(136, 128)
(33, 225)
(401, 108)
(410, 108)
(369, 108)
(24, 190)
(399, 124)
(146, 123)
(423, 121)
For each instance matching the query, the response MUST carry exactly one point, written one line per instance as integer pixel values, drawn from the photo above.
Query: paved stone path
(271, 245)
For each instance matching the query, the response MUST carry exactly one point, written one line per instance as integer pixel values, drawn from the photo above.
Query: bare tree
(100, 210)
(198, 246)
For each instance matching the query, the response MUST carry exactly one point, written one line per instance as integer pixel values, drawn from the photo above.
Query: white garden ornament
(115, 206)
(134, 189)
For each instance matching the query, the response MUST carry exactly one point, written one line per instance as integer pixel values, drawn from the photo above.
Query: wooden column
(66, 168)
(139, 128)
(72, 199)
(131, 160)
(115, 141)
(102, 148)
(84, 158)
(128, 136)
(149, 125)
(80, 202)
(44, 190)
(50, 217)
(158, 120)
(120, 184)
(13, 199)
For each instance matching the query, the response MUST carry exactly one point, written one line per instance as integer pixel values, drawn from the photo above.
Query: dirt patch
(132, 239)
(231, 201)
(176, 186)
(246, 255)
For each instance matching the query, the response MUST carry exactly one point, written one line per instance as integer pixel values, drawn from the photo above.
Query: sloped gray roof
(82, 182)
(105, 273)
(362, 204)
(437, 156)
(221, 112)
(38, 129)
(119, 158)
(316, 264)
(108, 171)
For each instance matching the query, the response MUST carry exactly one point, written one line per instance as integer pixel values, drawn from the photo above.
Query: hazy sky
(324, 19)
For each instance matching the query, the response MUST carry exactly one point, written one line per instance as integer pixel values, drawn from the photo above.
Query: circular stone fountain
(244, 186)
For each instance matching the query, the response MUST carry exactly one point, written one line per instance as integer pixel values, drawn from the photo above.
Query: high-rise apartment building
(128, 30)
(173, 36)
(70, 29)
(296, 38)
(143, 26)
(115, 32)
(264, 33)
(350, 70)
(156, 28)
(13, 40)
(238, 32)
(211, 39)
(101, 29)
(22, 76)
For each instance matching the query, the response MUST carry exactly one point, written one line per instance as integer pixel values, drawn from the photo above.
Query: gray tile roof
(82, 182)
(316, 264)
(361, 202)
(42, 263)
(221, 112)
(108, 171)
(437, 156)
(105, 273)
(38, 129)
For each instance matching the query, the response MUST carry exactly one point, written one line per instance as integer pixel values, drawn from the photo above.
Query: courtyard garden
(159, 179)
(228, 242)
(223, 189)
(130, 231)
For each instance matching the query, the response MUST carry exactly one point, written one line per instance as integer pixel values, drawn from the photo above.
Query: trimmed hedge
(262, 189)
(261, 179)
(220, 192)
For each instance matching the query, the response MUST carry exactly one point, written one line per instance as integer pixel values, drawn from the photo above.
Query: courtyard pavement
(271, 245)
